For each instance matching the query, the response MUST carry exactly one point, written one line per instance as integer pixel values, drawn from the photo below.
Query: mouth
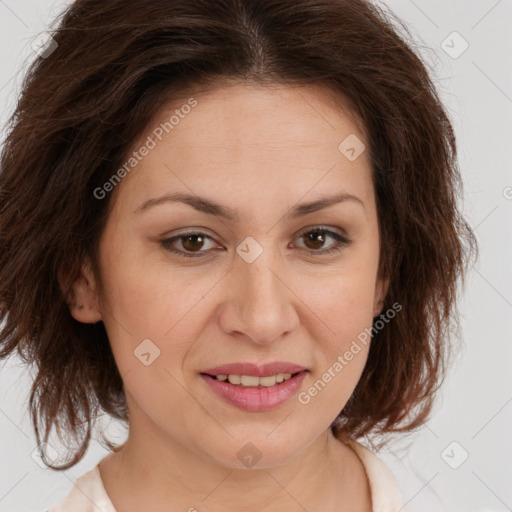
(254, 393)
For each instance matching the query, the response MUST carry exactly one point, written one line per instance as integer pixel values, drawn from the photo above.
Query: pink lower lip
(255, 399)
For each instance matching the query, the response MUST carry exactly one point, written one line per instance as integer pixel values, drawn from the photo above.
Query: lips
(264, 370)
(255, 399)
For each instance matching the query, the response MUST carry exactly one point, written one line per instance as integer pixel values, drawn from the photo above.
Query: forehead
(240, 109)
(279, 141)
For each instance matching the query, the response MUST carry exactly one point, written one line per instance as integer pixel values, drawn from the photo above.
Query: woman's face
(255, 286)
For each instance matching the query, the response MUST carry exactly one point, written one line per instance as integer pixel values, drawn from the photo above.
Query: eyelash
(341, 242)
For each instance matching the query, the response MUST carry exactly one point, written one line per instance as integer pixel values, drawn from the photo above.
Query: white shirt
(89, 495)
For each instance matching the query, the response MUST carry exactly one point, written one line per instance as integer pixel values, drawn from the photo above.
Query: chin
(256, 452)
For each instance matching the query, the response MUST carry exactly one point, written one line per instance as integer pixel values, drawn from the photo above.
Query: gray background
(475, 408)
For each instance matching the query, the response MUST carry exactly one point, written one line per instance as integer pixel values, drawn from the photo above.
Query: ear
(83, 299)
(381, 290)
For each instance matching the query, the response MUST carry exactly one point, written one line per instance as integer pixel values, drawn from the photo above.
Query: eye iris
(317, 238)
(197, 244)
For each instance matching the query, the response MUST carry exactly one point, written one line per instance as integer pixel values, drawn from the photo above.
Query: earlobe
(83, 302)
(85, 313)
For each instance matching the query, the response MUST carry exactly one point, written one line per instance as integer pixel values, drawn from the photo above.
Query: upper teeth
(251, 380)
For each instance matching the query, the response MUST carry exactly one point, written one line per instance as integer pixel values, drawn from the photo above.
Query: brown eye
(191, 243)
(315, 239)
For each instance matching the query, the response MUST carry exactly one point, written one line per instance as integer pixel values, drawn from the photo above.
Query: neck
(154, 472)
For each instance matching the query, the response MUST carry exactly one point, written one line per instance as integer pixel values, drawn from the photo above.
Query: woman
(233, 226)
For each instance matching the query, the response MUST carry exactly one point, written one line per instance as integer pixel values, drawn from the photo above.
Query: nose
(260, 303)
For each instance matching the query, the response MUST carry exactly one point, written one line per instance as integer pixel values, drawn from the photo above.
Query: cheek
(341, 320)
(342, 337)
(141, 292)
(153, 308)
(341, 303)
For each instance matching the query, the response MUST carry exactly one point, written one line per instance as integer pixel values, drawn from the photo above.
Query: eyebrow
(204, 205)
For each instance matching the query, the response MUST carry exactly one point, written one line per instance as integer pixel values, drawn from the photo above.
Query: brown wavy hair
(82, 107)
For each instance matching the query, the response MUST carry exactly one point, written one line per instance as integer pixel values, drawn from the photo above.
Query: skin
(259, 151)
